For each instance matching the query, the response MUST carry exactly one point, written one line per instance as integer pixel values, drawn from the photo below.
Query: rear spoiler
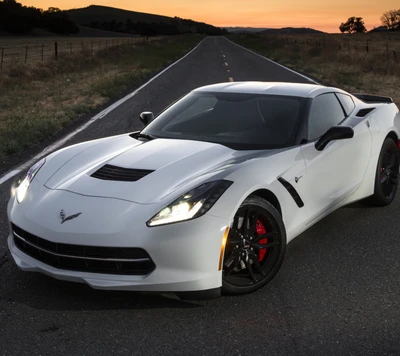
(374, 98)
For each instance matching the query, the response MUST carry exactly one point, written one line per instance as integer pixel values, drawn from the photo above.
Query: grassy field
(356, 63)
(39, 99)
(28, 50)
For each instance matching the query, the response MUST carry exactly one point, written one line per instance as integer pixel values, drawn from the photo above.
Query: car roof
(270, 88)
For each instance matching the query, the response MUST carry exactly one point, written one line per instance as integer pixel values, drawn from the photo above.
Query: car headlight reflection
(23, 187)
(191, 204)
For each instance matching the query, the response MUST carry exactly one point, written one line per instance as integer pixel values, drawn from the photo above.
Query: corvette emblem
(64, 218)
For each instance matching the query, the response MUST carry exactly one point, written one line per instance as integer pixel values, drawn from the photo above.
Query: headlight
(192, 204)
(24, 185)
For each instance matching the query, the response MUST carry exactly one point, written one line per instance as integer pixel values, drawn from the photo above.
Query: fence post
(82, 46)
(42, 52)
(70, 47)
(367, 47)
(395, 55)
(387, 50)
(91, 49)
(26, 54)
(106, 45)
(99, 45)
(55, 50)
(2, 58)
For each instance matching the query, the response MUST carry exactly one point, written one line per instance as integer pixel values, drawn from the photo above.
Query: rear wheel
(255, 247)
(387, 175)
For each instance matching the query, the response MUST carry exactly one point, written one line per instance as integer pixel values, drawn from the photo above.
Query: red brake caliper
(261, 231)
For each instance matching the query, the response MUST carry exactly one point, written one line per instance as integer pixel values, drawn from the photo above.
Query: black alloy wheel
(387, 174)
(255, 247)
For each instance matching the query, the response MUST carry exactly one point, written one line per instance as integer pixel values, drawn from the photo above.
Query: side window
(347, 103)
(325, 112)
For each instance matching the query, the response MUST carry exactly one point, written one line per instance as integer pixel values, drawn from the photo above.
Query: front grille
(109, 172)
(95, 259)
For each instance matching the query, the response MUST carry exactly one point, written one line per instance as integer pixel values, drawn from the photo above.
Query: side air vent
(292, 191)
(364, 112)
(109, 172)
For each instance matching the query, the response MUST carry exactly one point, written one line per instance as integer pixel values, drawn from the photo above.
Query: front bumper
(186, 254)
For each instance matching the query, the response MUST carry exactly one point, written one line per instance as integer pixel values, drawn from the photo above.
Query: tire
(387, 175)
(248, 265)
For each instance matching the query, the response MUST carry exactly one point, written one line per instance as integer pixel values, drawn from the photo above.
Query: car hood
(175, 163)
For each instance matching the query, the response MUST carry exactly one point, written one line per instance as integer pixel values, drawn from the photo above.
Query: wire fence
(385, 46)
(52, 50)
(392, 53)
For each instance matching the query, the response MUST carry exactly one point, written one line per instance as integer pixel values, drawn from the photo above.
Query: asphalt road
(337, 292)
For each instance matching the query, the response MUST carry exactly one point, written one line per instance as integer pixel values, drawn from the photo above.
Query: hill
(92, 13)
(245, 29)
(119, 20)
(289, 31)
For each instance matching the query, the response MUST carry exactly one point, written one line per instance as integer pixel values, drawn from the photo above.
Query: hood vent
(109, 172)
(364, 112)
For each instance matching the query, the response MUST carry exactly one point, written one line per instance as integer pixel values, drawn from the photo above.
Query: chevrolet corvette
(206, 197)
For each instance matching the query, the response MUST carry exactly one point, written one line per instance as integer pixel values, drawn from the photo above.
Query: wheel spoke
(254, 258)
(392, 159)
(250, 271)
(253, 224)
(267, 235)
(383, 178)
(234, 237)
(236, 222)
(394, 177)
(246, 222)
(231, 262)
(267, 245)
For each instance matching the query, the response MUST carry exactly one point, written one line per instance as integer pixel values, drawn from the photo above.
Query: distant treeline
(174, 27)
(19, 19)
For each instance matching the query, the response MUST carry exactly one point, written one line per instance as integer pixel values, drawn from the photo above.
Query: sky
(318, 14)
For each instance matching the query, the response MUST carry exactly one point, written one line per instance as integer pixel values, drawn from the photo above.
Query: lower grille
(95, 259)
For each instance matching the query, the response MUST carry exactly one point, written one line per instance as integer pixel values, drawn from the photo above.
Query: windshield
(239, 121)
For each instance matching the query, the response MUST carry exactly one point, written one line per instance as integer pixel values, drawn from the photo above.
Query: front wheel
(387, 175)
(255, 247)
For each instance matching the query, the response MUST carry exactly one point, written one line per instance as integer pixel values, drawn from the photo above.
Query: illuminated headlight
(23, 187)
(192, 204)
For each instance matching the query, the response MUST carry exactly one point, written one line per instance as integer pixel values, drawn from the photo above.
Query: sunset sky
(318, 14)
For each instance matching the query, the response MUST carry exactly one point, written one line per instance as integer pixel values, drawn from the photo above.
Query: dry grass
(38, 100)
(338, 60)
(28, 50)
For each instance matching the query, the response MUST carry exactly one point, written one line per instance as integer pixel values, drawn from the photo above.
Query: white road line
(9, 175)
(278, 64)
(100, 115)
(226, 64)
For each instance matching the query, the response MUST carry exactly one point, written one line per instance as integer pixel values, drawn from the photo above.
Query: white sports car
(205, 198)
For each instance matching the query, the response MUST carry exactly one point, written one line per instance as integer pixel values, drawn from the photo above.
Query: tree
(391, 19)
(353, 25)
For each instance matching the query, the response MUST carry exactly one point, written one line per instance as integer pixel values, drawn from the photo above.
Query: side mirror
(146, 117)
(334, 133)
